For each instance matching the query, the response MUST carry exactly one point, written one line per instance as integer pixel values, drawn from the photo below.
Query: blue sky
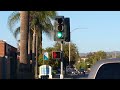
(98, 30)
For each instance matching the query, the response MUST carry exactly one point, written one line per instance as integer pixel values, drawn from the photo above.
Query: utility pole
(61, 75)
(70, 37)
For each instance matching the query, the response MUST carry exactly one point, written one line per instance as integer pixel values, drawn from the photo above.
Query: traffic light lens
(60, 27)
(59, 35)
(56, 55)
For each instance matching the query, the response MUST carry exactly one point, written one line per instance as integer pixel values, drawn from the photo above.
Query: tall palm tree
(24, 28)
(41, 18)
(40, 21)
(40, 24)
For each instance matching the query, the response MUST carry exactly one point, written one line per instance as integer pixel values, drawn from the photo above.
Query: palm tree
(40, 21)
(24, 27)
(40, 24)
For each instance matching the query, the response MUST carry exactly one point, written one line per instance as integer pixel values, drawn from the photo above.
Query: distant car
(74, 72)
(82, 71)
(106, 69)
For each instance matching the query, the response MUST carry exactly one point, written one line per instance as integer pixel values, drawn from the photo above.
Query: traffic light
(67, 29)
(56, 54)
(59, 34)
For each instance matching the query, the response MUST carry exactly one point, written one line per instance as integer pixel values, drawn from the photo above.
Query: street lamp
(69, 42)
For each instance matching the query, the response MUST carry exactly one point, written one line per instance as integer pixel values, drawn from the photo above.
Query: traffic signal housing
(56, 54)
(59, 34)
(67, 29)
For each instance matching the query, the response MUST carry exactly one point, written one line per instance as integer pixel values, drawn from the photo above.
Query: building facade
(8, 61)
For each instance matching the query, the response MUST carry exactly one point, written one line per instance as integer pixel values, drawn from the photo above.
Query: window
(109, 71)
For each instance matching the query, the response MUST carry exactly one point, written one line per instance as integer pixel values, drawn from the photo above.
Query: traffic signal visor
(60, 20)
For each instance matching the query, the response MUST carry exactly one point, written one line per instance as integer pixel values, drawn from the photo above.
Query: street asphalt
(72, 76)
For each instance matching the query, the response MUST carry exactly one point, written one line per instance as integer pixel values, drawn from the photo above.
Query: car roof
(99, 63)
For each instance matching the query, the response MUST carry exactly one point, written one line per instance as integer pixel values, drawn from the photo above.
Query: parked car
(106, 69)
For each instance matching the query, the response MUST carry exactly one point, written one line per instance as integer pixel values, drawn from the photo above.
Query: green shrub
(54, 72)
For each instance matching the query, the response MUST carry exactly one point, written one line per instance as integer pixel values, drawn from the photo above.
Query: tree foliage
(39, 18)
(50, 61)
(74, 54)
(94, 57)
(55, 63)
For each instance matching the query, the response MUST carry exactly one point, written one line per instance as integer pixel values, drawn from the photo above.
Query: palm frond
(51, 14)
(16, 32)
(13, 19)
(39, 18)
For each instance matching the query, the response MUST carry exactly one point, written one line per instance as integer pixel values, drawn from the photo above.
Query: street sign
(45, 56)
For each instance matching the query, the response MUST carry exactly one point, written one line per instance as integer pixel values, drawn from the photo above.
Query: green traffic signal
(59, 34)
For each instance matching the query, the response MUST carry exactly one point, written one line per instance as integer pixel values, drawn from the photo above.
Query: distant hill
(83, 54)
(113, 53)
(117, 53)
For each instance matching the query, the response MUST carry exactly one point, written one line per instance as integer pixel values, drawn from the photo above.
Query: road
(72, 76)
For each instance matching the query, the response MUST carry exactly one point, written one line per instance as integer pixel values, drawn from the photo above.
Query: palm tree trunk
(33, 50)
(29, 47)
(30, 54)
(24, 36)
(40, 41)
(36, 66)
(23, 67)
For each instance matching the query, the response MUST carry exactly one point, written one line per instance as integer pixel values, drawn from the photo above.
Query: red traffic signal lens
(56, 55)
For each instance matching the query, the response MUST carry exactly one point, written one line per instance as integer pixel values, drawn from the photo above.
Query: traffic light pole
(69, 53)
(61, 75)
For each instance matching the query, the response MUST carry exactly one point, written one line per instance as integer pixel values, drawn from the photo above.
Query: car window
(109, 71)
